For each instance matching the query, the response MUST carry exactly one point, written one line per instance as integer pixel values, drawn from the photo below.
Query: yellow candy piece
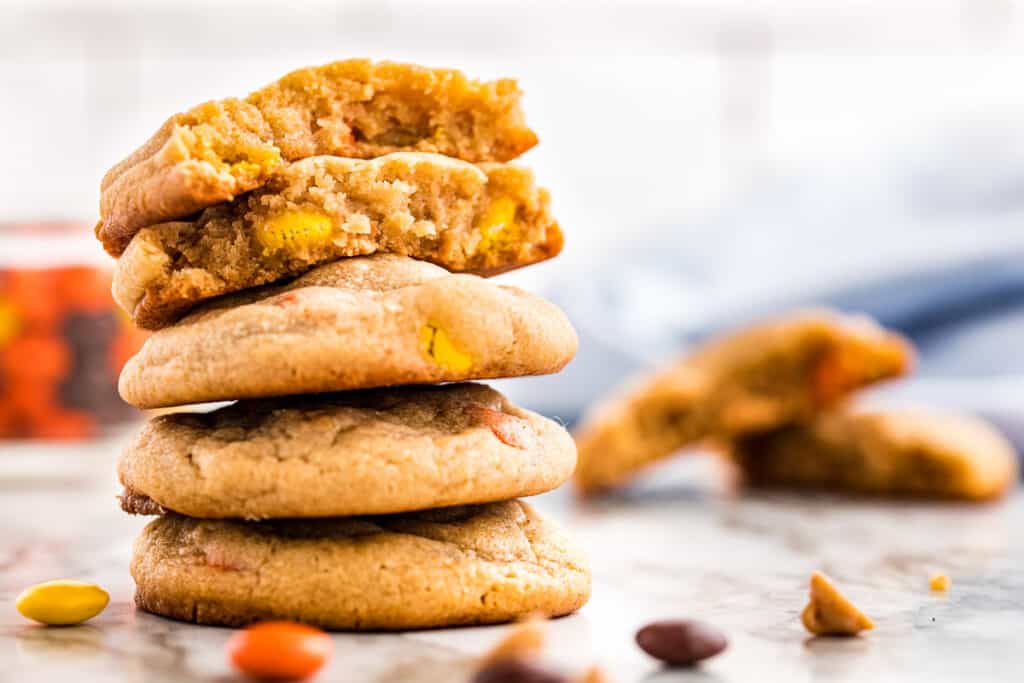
(436, 343)
(253, 162)
(498, 225)
(9, 322)
(294, 231)
(246, 168)
(62, 602)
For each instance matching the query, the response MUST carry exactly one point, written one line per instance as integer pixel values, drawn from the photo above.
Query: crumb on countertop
(830, 613)
(939, 581)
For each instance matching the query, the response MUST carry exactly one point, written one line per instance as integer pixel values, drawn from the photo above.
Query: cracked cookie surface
(764, 376)
(904, 453)
(456, 566)
(356, 453)
(353, 108)
(357, 323)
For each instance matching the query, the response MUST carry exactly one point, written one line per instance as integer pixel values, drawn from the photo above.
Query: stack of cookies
(775, 399)
(313, 253)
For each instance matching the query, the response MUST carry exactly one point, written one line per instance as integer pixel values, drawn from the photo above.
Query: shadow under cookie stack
(314, 253)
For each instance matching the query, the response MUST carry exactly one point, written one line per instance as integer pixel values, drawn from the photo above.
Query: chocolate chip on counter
(517, 670)
(680, 642)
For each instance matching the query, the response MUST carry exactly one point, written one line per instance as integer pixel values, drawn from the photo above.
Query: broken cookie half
(355, 108)
(466, 218)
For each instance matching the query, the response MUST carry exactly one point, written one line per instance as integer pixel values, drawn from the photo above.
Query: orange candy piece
(38, 356)
(84, 288)
(833, 376)
(54, 324)
(279, 650)
(126, 344)
(35, 297)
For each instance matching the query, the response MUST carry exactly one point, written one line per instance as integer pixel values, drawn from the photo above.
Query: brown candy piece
(680, 642)
(517, 670)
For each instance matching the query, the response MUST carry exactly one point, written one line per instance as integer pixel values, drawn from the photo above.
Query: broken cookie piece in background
(772, 373)
(906, 453)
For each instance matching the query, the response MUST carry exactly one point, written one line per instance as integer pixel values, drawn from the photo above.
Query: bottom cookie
(897, 453)
(456, 566)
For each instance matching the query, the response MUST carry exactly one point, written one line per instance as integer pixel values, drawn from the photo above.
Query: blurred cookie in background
(767, 375)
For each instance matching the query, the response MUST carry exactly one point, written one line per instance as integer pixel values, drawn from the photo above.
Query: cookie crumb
(939, 582)
(594, 674)
(525, 641)
(830, 613)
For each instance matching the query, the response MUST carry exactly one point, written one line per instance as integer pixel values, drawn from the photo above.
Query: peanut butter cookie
(484, 219)
(357, 323)
(761, 377)
(899, 453)
(354, 108)
(455, 566)
(354, 453)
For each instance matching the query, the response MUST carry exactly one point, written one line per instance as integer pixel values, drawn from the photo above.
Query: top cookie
(759, 378)
(356, 323)
(464, 217)
(352, 108)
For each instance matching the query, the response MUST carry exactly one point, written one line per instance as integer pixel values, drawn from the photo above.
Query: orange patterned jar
(62, 338)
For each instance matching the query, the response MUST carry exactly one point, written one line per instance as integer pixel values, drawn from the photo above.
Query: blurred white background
(708, 160)
(649, 112)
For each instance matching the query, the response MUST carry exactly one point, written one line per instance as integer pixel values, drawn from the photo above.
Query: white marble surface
(678, 551)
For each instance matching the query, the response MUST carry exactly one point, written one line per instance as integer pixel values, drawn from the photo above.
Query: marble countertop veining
(741, 564)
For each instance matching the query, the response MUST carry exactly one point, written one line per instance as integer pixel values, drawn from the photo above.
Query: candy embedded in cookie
(438, 346)
(294, 232)
(498, 226)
